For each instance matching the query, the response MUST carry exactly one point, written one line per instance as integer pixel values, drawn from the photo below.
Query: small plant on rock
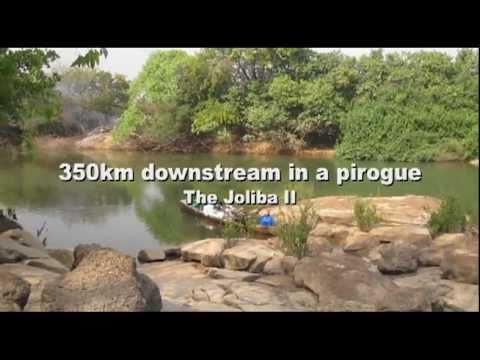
(232, 232)
(449, 218)
(365, 214)
(293, 232)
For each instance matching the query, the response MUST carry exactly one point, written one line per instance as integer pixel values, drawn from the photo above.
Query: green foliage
(91, 58)
(420, 106)
(414, 107)
(23, 83)
(365, 215)
(154, 109)
(449, 218)
(293, 231)
(212, 116)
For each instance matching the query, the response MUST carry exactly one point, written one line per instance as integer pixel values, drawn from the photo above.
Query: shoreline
(103, 142)
(99, 142)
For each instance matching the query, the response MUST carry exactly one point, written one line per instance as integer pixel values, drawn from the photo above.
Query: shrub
(365, 214)
(293, 232)
(232, 232)
(449, 218)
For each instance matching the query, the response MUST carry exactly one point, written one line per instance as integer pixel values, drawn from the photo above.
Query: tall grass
(365, 214)
(293, 231)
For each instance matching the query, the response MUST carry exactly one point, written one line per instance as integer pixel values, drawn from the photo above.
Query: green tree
(153, 106)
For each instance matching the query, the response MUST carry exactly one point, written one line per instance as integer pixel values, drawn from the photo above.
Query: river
(133, 215)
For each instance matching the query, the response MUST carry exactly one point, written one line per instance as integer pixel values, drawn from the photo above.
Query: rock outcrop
(251, 255)
(208, 252)
(340, 278)
(102, 280)
(397, 258)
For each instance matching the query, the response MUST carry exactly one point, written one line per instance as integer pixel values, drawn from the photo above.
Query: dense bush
(420, 106)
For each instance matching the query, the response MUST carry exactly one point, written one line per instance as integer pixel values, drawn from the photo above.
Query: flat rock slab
(48, 264)
(410, 209)
(280, 281)
(27, 252)
(176, 279)
(23, 238)
(215, 273)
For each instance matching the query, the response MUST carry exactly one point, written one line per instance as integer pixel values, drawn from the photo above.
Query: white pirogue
(227, 213)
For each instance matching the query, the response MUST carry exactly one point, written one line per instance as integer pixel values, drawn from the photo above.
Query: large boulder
(102, 280)
(208, 252)
(81, 251)
(14, 292)
(319, 244)
(251, 255)
(460, 265)
(288, 264)
(338, 278)
(458, 297)
(274, 266)
(441, 245)
(398, 258)
(215, 273)
(444, 295)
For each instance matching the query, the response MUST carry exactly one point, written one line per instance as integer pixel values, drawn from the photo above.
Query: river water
(133, 215)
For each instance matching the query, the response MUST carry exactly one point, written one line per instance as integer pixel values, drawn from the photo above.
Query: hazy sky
(129, 61)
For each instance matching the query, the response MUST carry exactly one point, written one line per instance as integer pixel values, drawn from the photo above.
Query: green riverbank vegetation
(420, 106)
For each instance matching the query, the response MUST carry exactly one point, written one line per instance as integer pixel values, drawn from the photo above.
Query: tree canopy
(400, 106)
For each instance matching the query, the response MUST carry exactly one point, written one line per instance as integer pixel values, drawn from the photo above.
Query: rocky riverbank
(102, 139)
(396, 266)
